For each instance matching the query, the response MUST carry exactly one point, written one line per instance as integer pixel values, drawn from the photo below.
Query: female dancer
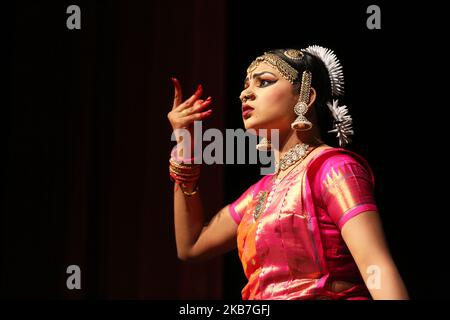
(310, 230)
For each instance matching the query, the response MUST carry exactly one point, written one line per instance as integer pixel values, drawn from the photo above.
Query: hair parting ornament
(286, 71)
(342, 124)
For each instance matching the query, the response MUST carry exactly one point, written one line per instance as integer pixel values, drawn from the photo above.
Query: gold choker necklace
(292, 156)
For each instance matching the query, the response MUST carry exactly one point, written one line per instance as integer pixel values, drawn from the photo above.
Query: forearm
(188, 219)
(188, 210)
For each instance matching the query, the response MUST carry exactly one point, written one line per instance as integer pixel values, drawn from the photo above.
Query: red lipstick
(246, 110)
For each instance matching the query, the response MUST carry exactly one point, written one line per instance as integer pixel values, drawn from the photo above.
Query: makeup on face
(258, 75)
(264, 79)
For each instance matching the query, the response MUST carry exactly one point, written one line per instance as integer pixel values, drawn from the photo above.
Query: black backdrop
(87, 138)
(391, 90)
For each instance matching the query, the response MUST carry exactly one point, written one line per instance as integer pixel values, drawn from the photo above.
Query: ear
(312, 97)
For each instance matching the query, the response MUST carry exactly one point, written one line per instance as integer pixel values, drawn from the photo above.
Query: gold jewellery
(286, 71)
(293, 155)
(182, 173)
(301, 108)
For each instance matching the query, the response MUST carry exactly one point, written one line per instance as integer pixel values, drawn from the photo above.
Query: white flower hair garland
(333, 65)
(342, 120)
(342, 123)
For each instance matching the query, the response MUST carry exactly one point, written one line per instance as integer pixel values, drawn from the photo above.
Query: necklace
(292, 156)
(264, 197)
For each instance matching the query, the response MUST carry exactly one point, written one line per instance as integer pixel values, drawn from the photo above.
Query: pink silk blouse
(294, 248)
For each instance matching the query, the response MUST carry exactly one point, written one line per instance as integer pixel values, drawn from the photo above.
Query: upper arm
(365, 238)
(217, 237)
(345, 187)
(347, 195)
(220, 234)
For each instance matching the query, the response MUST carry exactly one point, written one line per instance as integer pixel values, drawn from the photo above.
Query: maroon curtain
(89, 125)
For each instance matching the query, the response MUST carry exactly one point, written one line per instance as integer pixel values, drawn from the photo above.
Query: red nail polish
(175, 82)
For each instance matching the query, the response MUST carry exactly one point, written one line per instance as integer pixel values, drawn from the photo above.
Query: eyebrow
(255, 75)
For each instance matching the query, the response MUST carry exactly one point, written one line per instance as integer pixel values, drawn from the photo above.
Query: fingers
(198, 106)
(196, 113)
(183, 114)
(189, 102)
(198, 116)
(178, 95)
(178, 121)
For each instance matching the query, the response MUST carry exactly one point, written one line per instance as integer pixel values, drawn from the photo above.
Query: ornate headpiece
(342, 120)
(286, 71)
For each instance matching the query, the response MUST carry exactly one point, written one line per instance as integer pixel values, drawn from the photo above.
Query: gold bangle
(183, 164)
(189, 193)
(185, 175)
(184, 172)
(180, 179)
(177, 178)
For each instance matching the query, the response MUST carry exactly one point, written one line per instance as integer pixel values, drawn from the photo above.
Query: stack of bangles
(182, 173)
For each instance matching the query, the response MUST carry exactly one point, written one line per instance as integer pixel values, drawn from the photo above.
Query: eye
(262, 82)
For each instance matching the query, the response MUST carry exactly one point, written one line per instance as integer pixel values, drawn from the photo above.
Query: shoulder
(338, 160)
(336, 155)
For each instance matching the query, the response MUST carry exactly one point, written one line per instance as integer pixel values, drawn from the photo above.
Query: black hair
(320, 81)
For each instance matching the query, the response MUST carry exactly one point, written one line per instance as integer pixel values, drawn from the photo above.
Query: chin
(249, 124)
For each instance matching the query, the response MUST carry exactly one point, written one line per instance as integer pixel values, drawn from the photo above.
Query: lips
(246, 110)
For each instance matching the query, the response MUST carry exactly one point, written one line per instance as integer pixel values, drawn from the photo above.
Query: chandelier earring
(301, 123)
(264, 145)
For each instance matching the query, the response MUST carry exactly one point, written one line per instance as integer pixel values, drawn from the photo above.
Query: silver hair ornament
(333, 66)
(342, 123)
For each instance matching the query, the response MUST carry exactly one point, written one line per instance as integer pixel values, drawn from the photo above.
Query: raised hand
(183, 114)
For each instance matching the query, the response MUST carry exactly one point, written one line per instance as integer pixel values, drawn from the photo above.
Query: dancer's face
(271, 96)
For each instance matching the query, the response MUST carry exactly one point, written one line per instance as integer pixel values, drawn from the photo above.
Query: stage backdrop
(87, 138)
(88, 147)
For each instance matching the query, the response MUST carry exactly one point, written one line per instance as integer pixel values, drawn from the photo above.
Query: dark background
(87, 138)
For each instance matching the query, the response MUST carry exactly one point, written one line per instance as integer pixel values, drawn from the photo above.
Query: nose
(245, 95)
